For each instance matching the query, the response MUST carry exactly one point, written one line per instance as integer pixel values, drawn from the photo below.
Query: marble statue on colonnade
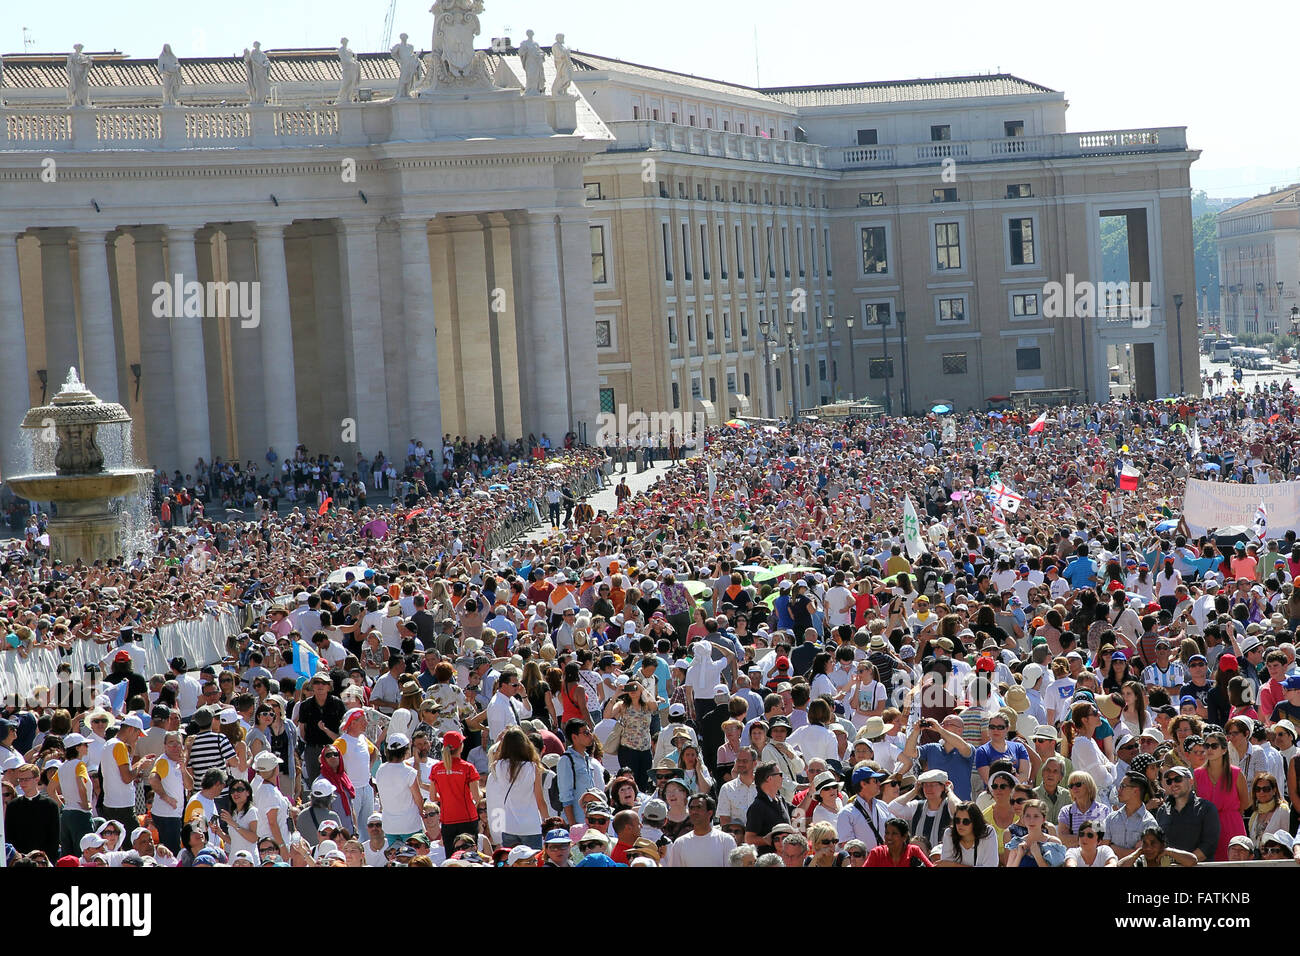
(408, 68)
(563, 66)
(169, 68)
(257, 73)
(459, 65)
(349, 73)
(79, 65)
(530, 55)
(2, 81)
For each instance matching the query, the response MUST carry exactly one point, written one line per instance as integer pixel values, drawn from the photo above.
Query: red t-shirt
(453, 790)
(619, 853)
(880, 857)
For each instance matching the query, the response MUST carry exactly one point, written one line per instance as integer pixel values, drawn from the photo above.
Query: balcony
(1047, 146)
(648, 134)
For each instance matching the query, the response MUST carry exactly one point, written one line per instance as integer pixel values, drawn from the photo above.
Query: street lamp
(1178, 312)
(794, 384)
(1205, 301)
(764, 327)
(1259, 294)
(904, 397)
(853, 369)
(830, 354)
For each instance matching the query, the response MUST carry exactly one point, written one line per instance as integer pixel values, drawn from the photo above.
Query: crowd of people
(763, 659)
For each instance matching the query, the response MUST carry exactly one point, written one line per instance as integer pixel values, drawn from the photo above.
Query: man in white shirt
(839, 602)
(508, 706)
(705, 845)
(272, 806)
(187, 689)
(736, 795)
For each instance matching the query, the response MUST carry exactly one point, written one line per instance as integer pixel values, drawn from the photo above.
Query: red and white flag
(998, 517)
(1039, 424)
(1128, 478)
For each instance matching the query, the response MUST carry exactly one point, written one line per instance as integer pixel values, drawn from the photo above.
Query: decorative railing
(1043, 146)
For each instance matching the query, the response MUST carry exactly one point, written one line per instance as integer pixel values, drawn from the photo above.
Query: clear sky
(1228, 74)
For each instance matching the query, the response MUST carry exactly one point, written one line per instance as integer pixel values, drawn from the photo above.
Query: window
(722, 251)
(798, 248)
(807, 376)
(731, 382)
(1028, 360)
(1014, 127)
(592, 190)
(867, 137)
(1022, 242)
(952, 310)
(753, 248)
(782, 197)
(654, 114)
(812, 248)
(607, 401)
(1025, 303)
(767, 200)
(954, 363)
(699, 190)
(947, 194)
(876, 313)
(672, 330)
(746, 383)
(704, 252)
(686, 251)
(674, 119)
(598, 255)
(803, 322)
(821, 369)
(771, 266)
(871, 199)
(663, 189)
(726, 126)
(677, 395)
(690, 327)
(604, 334)
(717, 194)
(681, 190)
(726, 326)
(881, 367)
(742, 129)
(740, 255)
(668, 253)
(636, 112)
(751, 197)
(826, 247)
(708, 326)
(947, 245)
(778, 379)
(695, 387)
(1020, 191)
(940, 134)
(713, 389)
(875, 258)
(744, 325)
(735, 194)
(692, 118)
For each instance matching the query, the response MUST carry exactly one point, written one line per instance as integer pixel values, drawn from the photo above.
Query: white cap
(229, 716)
(266, 761)
(75, 740)
(629, 627)
(139, 832)
(520, 853)
(322, 788)
(133, 720)
(91, 840)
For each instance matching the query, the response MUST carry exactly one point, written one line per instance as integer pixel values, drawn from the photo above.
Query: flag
(1260, 524)
(713, 482)
(536, 514)
(1005, 497)
(912, 530)
(325, 505)
(998, 517)
(1039, 424)
(1128, 478)
(305, 660)
(1194, 439)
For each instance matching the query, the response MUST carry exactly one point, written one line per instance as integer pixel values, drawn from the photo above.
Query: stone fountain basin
(111, 483)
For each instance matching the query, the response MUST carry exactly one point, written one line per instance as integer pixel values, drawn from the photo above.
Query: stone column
(215, 323)
(100, 373)
(423, 409)
(157, 388)
(189, 372)
(545, 350)
(61, 349)
(505, 352)
(329, 388)
(277, 342)
(363, 333)
(246, 352)
(14, 395)
(473, 301)
(580, 324)
(451, 371)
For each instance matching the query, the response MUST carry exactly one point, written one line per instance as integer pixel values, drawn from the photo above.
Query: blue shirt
(1081, 573)
(1015, 752)
(576, 775)
(782, 607)
(951, 762)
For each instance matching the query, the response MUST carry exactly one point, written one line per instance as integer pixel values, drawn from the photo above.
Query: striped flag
(1005, 497)
(1039, 424)
(1260, 524)
(1128, 478)
(998, 517)
(305, 660)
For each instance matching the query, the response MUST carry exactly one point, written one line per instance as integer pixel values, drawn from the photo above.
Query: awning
(711, 417)
(743, 401)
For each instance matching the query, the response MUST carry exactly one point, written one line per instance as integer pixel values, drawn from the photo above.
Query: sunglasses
(1173, 778)
(858, 854)
(963, 821)
(374, 826)
(1266, 788)
(593, 845)
(1275, 849)
(1000, 786)
(1076, 785)
(1214, 746)
(997, 726)
(1017, 802)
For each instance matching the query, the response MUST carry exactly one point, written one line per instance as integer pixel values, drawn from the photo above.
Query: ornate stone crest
(457, 65)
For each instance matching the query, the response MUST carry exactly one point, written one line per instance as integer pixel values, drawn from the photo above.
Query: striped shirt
(1174, 676)
(208, 750)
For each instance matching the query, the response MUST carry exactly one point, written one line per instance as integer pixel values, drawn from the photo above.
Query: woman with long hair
(1268, 811)
(332, 769)
(1119, 673)
(283, 735)
(455, 782)
(235, 734)
(632, 711)
(824, 844)
(1002, 812)
(1030, 851)
(968, 842)
(539, 694)
(398, 787)
(1136, 716)
(241, 819)
(515, 800)
(1080, 745)
(694, 772)
(573, 696)
(1223, 785)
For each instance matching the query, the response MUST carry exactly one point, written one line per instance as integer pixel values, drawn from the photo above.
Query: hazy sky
(1121, 63)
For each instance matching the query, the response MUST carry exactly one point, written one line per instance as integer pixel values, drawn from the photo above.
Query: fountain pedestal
(85, 530)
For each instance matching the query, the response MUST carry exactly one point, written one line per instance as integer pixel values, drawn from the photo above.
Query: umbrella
(735, 423)
(1209, 466)
(941, 409)
(341, 575)
(555, 466)
(498, 487)
(1164, 526)
(1178, 427)
(771, 429)
(1227, 537)
(481, 494)
(376, 529)
(750, 568)
(774, 572)
(698, 588)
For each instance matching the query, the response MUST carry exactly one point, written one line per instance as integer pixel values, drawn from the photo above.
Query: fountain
(86, 526)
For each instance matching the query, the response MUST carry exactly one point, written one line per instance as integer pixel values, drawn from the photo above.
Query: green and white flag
(912, 530)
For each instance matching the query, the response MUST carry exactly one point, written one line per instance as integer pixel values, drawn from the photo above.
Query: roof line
(866, 84)
(660, 69)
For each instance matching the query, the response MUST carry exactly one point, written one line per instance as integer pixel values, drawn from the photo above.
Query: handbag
(613, 740)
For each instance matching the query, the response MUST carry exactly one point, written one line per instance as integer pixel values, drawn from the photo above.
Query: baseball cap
(557, 836)
(1292, 683)
(520, 853)
(323, 788)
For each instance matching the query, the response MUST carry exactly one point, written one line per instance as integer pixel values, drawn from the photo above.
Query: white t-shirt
(1104, 855)
(268, 798)
(814, 740)
(710, 850)
(512, 805)
(401, 814)
(836, 598)
(117, 795)
(985, 853)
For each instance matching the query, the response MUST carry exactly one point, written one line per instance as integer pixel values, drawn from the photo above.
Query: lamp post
(853, 369)
(1259, 294)
(764, 327)
(830, 354)
(1178, 313)
(904, 397)
(794, 384)
(1205, 301)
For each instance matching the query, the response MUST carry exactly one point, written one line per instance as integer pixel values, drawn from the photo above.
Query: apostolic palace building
(350, 250)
